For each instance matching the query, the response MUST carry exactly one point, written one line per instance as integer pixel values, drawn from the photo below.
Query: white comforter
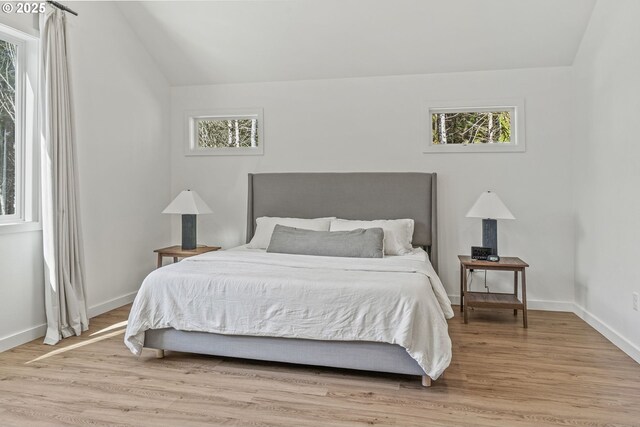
(398, 300)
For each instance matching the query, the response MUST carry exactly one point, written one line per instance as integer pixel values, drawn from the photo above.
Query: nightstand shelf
(492, 300)
(470, 299)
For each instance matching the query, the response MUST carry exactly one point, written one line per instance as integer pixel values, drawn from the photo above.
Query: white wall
(122, 112)
(374, 124)
(21, 288)
(607, 172)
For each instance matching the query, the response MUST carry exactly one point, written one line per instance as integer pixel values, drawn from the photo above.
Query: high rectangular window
(475, 127)
(471, 127)
(225, 132)
(231, 133)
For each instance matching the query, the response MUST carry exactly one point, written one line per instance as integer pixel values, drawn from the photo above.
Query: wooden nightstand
(177, 252)
(493, 300)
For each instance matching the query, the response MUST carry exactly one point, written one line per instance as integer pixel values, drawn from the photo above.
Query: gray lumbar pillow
(358, 243)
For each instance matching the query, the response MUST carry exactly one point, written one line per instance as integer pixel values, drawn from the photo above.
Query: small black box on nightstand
(480, 252)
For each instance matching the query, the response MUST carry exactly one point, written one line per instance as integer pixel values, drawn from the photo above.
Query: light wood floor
(558, 372)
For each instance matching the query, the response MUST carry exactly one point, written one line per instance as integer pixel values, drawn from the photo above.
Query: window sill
(474, 148)
(19, 227)
(225, 151)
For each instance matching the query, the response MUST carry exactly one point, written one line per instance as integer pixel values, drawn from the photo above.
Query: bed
(226, 326)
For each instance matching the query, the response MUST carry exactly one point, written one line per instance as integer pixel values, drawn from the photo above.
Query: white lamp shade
(187, 202)
(489, 206)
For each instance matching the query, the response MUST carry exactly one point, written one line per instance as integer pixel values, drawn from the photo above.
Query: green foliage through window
(471, 127)
(8, 59)
(227, 133)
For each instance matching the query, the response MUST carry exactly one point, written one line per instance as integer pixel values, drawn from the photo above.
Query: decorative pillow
(266, 224)
(359, 243)
(398, 233)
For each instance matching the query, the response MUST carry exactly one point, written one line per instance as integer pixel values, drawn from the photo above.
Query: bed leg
(426, 381)
(159, 354)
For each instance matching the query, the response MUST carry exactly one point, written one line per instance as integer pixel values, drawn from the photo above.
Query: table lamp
(188, 204)
(489, 207)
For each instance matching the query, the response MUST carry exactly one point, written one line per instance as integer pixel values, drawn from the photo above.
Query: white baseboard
(98, 309)
(566, 306)
(22, 337)
(39, 331)
(618, 340)
(570, 307)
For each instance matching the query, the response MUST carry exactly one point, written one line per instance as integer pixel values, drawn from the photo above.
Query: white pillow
(266, 224)
(398, 233)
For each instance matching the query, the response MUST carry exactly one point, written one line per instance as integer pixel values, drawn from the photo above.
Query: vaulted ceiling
(255, 41)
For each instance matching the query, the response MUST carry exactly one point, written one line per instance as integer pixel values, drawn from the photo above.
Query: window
(471, 127)
(228, 132)
(10, 202)
(475, 127)
(18, 72)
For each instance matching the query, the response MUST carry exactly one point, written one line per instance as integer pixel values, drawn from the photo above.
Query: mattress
(396, 300)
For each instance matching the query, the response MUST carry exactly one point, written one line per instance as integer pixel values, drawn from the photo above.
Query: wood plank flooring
(558, 372)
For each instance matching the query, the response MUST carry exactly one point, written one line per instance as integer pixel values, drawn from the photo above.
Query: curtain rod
(62, 7)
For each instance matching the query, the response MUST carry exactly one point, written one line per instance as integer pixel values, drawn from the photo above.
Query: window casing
(225, 132)
(474, 127)
(18, 144)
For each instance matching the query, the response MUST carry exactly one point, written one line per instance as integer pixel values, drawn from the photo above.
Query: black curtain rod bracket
(62, 7)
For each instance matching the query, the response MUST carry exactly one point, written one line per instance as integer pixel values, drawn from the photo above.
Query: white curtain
(65, 302)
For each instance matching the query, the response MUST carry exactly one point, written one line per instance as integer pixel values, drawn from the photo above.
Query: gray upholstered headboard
(366, 196)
